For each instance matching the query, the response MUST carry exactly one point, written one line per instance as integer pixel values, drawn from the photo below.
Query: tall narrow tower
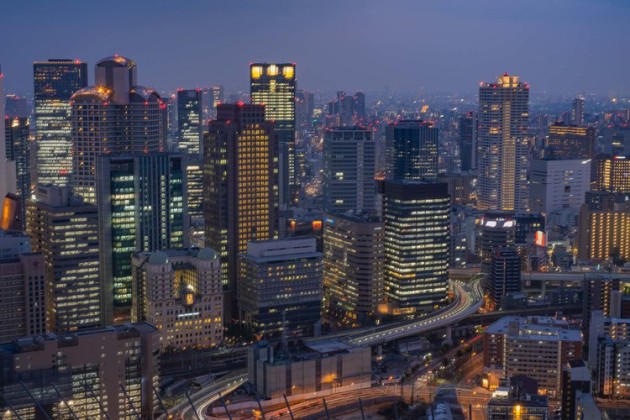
(503, 144)
(7, 167)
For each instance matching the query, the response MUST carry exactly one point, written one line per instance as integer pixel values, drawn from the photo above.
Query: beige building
(90, 374)
(537, 347)
(179, 291)
(326, 367)
(22, 288)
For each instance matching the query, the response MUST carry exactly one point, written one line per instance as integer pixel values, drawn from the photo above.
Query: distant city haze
(558, 46)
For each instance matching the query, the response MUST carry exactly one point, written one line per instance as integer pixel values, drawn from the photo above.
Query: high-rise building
(304, 108)
(498, 230)
(194, 177)
(7, 167)
(142, 206)
(240, 183)
(577, 395)
(109, 372)
(55, 82)
(577, 111)
(16, 106)
(570, 142)
(114, 116)
(188, 283)
(22, 288)
(556, 185)
(18, 150)
(346, 110)
(468, 140)
(604, 234)
(503, 144)
(280, 287)
(354, 264)
(413, 150)
(190, 121)
(612, 174)
(349, 169)
(273, 85)
(504, 276)
(417, 226)
(537, 347)
(609, 354)
(217, 98)
(65, 230)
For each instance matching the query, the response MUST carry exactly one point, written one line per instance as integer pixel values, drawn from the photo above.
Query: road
(207, 396)
(468, 299)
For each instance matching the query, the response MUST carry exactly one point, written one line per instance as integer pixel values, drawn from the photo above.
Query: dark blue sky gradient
(559, 46)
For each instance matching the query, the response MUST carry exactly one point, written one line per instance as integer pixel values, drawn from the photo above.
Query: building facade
(354, 264)
(417, 229)
(280, 287)
(503, 144)
(64, 230)
(55, 81)
(559, 184)
(349, 168)
(142, 206)
(18, 150)
(190, 121)
(570, 142)
(468, 141)
(179, 292)
(413, 150)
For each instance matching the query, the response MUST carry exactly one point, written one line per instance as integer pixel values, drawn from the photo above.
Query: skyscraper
(503, 144)
(504, 276)
(22, 288)
(240, 182)
(559, 184)
(7, 167)
(577, 111)
(413, 150)
(142, 206)
(349, 169)
(280, 287)
(416, 216)
(570, 142)
(612, 174)
(18, 150)
(55, 83)
(114, 116)
(65, 231)
(468, 140)
(273, 85)
(189, 121)
(354, 267)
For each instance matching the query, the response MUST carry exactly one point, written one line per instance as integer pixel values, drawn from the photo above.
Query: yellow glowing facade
(612, 174)
(604, 235)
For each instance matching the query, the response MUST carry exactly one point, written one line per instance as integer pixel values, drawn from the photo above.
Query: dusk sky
(562, 46)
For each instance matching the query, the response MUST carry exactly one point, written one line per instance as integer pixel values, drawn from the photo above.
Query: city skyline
(358, 48)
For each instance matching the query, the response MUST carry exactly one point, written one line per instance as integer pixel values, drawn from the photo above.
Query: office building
(8, 181)
(537, 347)
(16, 106)
(461, 188)
(114, 116)
(498, 230)
(604, 234)
(18, 150)
(179, 292)
(240, 183)
(142, 206)
(577, 111)
(354, 263)
(22, 288)
(190, 121)
(55, 81)
(612, 174)
(109, 372)
(570, 142)
(412, 147)
(556, 185)
(612, 367)
(417, 228)
(273, 85)
(346, 110)
(529, 228)
(280, 287)
(349, 168)
(468, 141)
(577, 395)
(64, 230)
(194, 178)
(503, 144)
(504, 276)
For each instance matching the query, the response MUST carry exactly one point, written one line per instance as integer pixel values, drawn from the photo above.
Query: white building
(558, 184)
(179, 291)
